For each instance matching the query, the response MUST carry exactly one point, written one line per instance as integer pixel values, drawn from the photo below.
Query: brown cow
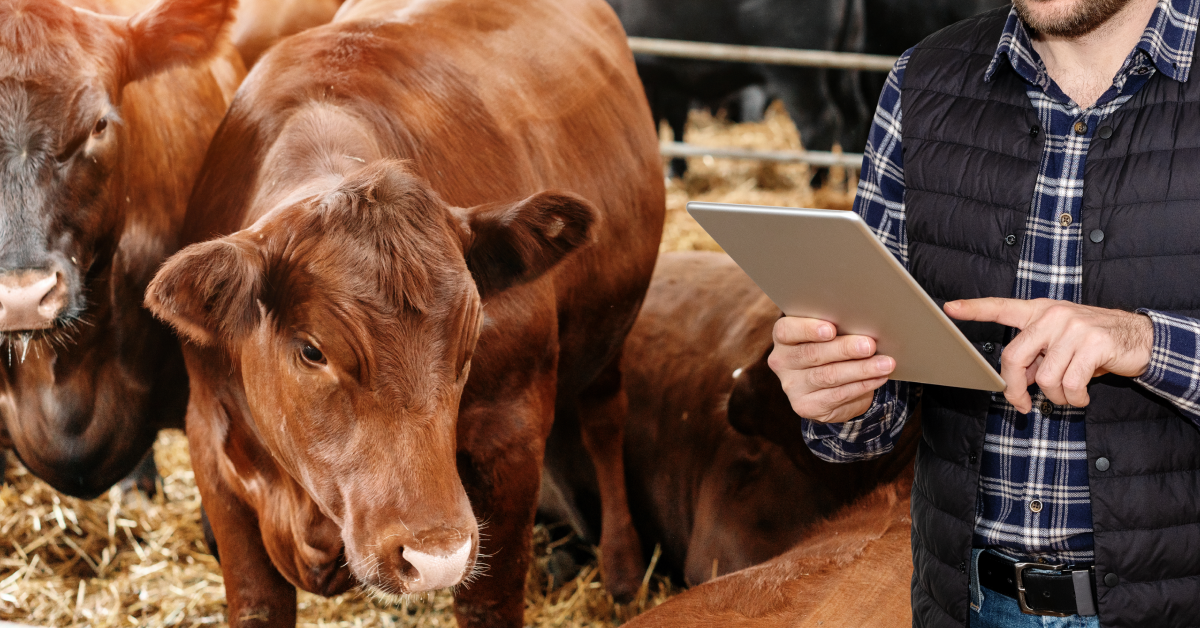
(331, 331)
(104, 121)
(853, 570)
(717, 501)
(261, 23)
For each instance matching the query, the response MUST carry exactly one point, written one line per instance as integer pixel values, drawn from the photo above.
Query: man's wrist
(1140, 339)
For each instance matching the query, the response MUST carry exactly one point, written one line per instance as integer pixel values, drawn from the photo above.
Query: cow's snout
(412, 563)
(436, 571)
(31, 299)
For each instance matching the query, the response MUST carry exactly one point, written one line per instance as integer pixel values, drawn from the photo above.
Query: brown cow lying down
(261, 23)
(104, 121)
(851, 571)
(716, 500)
(335, 435)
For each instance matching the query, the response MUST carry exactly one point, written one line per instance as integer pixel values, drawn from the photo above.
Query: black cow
(893, 26)
(828, 106)
(672, 84)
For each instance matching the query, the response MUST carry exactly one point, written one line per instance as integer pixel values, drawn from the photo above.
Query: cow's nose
(30, 299)
(437, 571)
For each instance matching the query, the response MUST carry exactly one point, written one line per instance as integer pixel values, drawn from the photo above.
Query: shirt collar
(1168, 41)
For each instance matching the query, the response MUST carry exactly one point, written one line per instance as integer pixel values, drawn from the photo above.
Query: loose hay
(125, 560)
(740, 181)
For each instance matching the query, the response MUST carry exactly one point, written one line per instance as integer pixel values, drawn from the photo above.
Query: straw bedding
(128, 560)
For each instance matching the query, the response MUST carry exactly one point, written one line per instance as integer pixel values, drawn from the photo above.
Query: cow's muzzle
(31, 299)
(433, 571)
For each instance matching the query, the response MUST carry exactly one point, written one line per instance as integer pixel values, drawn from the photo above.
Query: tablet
(827, 264)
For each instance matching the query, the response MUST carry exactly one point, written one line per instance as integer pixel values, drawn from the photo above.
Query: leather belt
(1041, 589)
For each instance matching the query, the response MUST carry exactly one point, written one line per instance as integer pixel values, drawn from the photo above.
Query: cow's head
(62, 137)
(353, 317)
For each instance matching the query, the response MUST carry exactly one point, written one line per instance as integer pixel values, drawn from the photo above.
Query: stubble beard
(1083, 18)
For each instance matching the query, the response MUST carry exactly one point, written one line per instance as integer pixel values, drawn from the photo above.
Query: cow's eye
(101, 124)
(312, 354)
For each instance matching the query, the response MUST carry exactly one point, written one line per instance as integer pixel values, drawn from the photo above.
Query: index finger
(1011, 312)
(793, 330)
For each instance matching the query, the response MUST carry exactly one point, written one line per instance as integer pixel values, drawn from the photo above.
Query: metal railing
(760, 54)
(811, 157)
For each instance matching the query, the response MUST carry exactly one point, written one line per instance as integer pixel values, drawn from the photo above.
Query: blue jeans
(993, 610)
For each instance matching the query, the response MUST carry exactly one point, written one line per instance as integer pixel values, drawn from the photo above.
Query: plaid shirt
(1034, 499)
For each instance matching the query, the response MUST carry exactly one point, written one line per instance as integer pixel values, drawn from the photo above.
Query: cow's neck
(319, 146)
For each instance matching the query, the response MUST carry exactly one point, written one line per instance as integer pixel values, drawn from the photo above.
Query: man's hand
(827, 378)
(1062, 345)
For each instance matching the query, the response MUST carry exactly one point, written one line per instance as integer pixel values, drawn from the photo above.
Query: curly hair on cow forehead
(382, 229)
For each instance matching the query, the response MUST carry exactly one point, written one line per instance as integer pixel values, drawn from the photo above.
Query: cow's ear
(175, 32)
(512, 243)
(209, 292)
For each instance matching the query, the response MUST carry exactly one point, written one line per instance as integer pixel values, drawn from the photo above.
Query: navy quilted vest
(970, 164)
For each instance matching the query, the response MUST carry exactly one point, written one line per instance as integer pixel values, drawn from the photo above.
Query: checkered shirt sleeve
(880, 202)
(1174, 371)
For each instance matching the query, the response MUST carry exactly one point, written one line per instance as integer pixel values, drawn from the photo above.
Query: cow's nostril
(55, 300)
(30, 299)
(405, 569)
(435, 571)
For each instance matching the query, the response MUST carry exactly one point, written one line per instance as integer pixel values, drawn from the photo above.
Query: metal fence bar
(852, 161)
(760, 54)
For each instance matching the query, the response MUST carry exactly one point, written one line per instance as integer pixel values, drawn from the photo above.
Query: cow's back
(853, 570)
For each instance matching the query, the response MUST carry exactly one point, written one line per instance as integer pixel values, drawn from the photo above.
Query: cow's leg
(675, 107)
(210, 539)
(500, 467)
(603, 408)
(257, 595)
(805, 94)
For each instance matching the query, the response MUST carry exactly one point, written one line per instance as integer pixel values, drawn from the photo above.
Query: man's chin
(1069, 19)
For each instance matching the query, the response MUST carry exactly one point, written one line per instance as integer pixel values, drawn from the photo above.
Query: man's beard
(1085, 17)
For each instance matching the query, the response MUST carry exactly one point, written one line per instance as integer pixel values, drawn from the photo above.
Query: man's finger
(1079, 374)
(791, 330)
(840, 349)
(1031, 372)
(1050, 373)
(838, 405)
(1011, 312)
(1018, 357)
(839, 374)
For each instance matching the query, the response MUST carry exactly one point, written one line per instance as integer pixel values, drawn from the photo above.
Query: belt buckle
(1020, 568)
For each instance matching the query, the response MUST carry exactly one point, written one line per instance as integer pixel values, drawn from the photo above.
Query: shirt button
(1111, 579)
(1080, 128)
(988, 347)
(1096, 236)
(1035, 505)
(1010, 239)
(1034, 130)
(1105, 132)
(1064, 220)
(973, 458)
(1102, 464)
(1046, 408)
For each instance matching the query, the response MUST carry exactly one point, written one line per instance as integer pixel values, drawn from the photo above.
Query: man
(1039, 171)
